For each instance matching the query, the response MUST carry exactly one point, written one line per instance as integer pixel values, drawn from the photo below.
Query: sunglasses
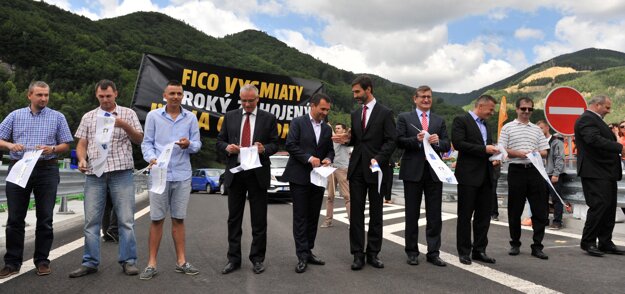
(528, 109)
(622, 127)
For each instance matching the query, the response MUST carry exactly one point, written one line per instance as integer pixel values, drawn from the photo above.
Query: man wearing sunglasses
(521, 137)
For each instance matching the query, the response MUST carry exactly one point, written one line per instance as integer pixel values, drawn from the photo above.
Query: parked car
(277, 188)
(206, 179)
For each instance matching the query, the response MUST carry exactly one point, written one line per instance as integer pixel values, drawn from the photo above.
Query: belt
(522, 165)
(41, 163)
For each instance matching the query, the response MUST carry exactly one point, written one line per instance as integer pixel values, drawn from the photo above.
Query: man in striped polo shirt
(521, 137)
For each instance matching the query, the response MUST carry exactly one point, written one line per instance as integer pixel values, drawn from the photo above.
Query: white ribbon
(21, 170)
(249, 159)
(375, 168)
(319, 175)
(537, 161)
(158, 174)
(105, 125)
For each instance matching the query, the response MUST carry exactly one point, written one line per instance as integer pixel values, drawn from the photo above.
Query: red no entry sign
(562, 107)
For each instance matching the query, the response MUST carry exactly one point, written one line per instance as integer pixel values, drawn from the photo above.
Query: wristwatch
(53, 149)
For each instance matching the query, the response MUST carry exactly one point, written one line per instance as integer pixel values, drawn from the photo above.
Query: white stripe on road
(566, 110)
(28, 265)
(502, 278)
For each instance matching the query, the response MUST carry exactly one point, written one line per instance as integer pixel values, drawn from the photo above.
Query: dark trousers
(524, 182)
(387, 188)
(307, 201)
(245, 184)
(495, 205)
(413, 192)
(600, 195)
(43, 183)
(109, 218)
(473, 202)
(558, 208)
(359, 189)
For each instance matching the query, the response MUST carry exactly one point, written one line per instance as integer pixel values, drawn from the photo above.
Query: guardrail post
(63, 207)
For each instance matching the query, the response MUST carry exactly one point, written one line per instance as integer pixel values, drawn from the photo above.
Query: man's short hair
(316, 99)
(423, 88)
(342, 125)
(542, 121)
(37, 84)
(174, 83)
(364, 81)
(249, 88)
(599, 99)
(526, 99)
(105, 84)
(483, 99)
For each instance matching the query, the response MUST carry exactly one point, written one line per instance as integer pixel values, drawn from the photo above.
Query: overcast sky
(451, 45)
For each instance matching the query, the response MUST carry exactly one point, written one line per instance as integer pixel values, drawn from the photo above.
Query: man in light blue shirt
(163, 126)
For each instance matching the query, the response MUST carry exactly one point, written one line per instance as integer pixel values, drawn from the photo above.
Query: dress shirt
(480, 124)
(370, 106)
(161, 129)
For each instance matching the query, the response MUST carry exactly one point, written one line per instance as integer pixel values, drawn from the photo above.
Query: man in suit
(239, 129)
(471, 137)
(373, 137)
(419, 177)
(309, 144)
(599, 166)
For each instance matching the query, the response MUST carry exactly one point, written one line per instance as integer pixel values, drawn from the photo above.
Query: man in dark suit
(373, 137)
(309, 144)
(239, 129)
(471, 137)
(599, 166)
(419, 177)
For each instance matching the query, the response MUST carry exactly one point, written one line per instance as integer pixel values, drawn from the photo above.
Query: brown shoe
(43, 269)
(8, 271)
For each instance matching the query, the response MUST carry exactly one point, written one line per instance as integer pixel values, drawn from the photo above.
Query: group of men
(106, 159)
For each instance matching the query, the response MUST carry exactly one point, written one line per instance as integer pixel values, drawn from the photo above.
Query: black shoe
(483, 257)
(465, 259)
(494, 218)
(539, 253)
(258, 267)
(436, 260)
(107, 239)
(83, 271)
(611, 249)
(43, 268)
(230, 267)
(113, 236)
(8, 271)
(374, 261)
(301, 266)
(359, 263)
(592, 250)
(412, 260)
(313, 259)
(514, 250)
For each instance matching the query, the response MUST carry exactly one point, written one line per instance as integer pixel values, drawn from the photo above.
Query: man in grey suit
(309, 144)
(599, 166)
(419, 177)
(243, 128)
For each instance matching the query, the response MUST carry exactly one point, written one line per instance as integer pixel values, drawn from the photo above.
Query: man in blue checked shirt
(163, 126)
(35, 127)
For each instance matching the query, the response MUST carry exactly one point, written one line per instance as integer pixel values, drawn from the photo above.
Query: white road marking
(28, 265)
(486, 272)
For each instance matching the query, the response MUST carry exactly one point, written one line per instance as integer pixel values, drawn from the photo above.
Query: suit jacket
(472, 166)
(413, 160)
(265, 132)
(597, 149)
(301, 144)
(376, 141)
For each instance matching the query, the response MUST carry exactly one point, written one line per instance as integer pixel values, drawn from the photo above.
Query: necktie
(424, 121)
(245, 140)
(364, 117)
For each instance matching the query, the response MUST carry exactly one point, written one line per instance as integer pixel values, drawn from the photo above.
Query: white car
(278, 189)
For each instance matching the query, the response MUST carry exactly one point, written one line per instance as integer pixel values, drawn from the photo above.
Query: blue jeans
(122, 189)
(43, 184)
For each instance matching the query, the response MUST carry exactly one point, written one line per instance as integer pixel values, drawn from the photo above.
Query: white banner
(21, 170)
(158, 173)
(104, 127)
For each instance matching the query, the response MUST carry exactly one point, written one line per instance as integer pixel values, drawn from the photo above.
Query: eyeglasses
(622, 127)
(528, 109)
(424, 97)
(248, 101)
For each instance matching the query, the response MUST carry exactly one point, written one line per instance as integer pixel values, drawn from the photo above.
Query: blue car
(206, 179)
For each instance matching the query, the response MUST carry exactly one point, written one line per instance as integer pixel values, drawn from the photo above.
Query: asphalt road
(568, 270)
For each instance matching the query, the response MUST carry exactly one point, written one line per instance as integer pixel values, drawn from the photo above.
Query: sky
(451, 45)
